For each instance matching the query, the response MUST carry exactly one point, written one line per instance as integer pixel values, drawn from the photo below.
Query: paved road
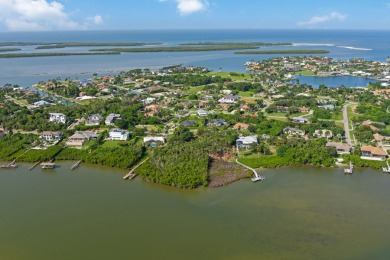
(346, 124)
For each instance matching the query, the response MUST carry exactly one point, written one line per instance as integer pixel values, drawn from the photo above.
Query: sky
(55, 15)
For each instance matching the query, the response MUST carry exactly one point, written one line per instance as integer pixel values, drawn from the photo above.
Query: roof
(339, 146)
(240, 126)
(154, 139)
(247, 139)
(379, 137)
(373, 150)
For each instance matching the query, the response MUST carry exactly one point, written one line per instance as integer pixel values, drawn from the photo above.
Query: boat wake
(354, 48)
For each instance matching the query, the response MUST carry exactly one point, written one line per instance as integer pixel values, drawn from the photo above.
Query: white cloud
(38, 15)
(97, 20)
(334, 16)
(186, 7)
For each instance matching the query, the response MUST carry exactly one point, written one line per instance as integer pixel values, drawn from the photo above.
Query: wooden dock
(257, 176)
(11, 165)
(131, 175)
(48, 165)
(35, 165)
(75, 166)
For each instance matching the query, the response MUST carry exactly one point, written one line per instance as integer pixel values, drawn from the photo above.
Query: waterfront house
(373, 153)
(245, 142)
(57, 118)
(341, 148)
(202, 113)
(94, 119)
(240, 126)
(153, 140)
(229, 99)
(79, 138)
(118, 134)
(293, 131)
(110, 119)
(300, 120)
(51, 136)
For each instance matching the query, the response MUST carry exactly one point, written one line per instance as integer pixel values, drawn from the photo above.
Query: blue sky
(42, 15)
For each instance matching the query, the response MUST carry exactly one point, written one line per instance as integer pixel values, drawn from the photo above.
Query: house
(323, 133)
(229, 99)
(373, 153)
(42, 103)
(327, 107)
(224, 106)
(300, 120)
(79, 138)
(118, 134)
(57, 118)
(293, 131)
(94, 119)
(110, 119)
(240, 126)
(153, 140)
(341, 148)
(245, 107)
(217, 122)
(381, 138)
(244, 142)
(51, 136)
(202, 113)
(303, 109)
(188, 123)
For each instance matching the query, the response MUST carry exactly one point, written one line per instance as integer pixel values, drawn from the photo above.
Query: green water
(92, 213)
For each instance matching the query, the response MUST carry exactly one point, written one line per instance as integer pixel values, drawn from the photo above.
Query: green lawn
(247, 76)
(108, 144)
(194, 90)
(245, 94)
(305, 73)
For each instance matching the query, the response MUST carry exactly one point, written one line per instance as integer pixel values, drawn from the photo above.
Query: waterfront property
(245, 142)
(341, 148)
(118, 135)
(154, 140)
(51, 136)
(57, 118)
(373, 153)
(79, 138)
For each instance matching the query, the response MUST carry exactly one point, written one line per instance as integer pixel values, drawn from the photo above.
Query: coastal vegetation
(181, 48)
(9, 49)
(241, 43)
(284, 52)
(53, 54)
(92, 44)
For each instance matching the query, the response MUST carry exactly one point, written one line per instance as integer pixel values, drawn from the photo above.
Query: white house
(110, 119)
(118, 134)
(51, 136)
(202, 112)
(57, 118)
(293, 131)
(300, 120)
(323, 133)
(244, 142)
(229, 99)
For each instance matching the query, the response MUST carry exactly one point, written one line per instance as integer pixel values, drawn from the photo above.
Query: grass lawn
(276, 115)
(194, 90)
(305, 73)
(247, 76)
(109, 144)
(249, 100)
(245, 94)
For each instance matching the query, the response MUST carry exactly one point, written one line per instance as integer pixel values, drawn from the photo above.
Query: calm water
(299, 213)
(372, 45)
(336, 81)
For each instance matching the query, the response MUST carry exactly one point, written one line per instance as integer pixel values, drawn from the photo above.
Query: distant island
(52, 54)
(9, 49)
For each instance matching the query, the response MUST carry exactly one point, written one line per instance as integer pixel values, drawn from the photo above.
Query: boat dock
(48, 165)
(35, 165)
(350, 169)
(11, 165)
(131, 175)
(75, 166)
(257, 177)
(386, 169)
